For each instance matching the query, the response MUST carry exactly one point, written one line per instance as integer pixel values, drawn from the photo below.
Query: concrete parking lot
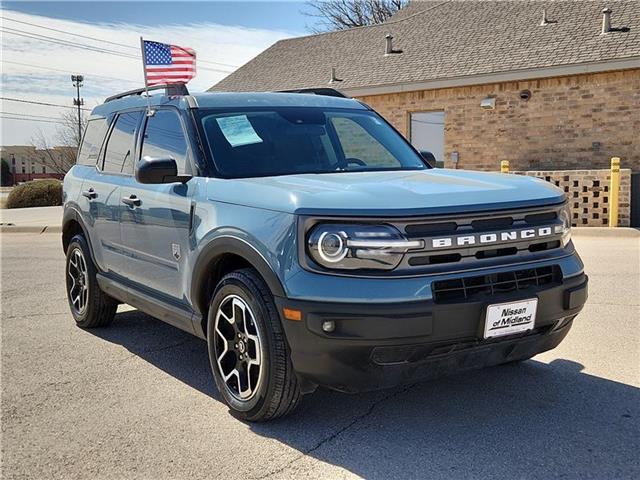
(137, 400)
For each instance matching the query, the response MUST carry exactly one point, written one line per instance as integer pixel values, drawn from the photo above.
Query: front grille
(489, 224)
(469, 288)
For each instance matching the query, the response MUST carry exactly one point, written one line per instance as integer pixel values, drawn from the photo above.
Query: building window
(24, 170)
(426, 133)
(44, 169)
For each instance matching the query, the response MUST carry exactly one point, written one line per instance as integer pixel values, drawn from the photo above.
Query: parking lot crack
(337, 433)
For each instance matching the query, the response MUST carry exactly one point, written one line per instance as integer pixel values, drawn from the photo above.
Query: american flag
(168, 63)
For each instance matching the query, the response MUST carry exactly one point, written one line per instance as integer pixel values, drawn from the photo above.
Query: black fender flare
(228, 245)
(71, 214)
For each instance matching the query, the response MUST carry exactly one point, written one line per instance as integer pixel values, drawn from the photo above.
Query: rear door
(156, 228)
(101, 190)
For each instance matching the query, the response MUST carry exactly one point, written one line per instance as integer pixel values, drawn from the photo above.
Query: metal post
(144, 74)
(614, 187)
(504, 166)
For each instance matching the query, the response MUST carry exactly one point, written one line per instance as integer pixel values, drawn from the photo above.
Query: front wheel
(248, 351)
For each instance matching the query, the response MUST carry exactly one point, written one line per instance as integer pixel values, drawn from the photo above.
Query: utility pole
(77, 82)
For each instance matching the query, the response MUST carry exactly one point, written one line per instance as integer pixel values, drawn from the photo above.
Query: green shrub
(38, 193)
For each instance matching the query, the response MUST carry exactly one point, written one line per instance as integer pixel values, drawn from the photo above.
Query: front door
(156, 220)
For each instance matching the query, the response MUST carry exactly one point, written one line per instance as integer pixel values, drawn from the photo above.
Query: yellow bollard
(504, 166)
(614, 186)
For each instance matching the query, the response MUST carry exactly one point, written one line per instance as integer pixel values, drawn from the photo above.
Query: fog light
(328, 326)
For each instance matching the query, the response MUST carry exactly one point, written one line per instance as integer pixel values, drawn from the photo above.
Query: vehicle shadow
(528, 420)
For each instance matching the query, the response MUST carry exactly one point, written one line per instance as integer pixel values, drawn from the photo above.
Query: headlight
(565, 229)
(355, 247)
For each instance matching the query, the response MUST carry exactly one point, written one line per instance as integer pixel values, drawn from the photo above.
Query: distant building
(30, 163)
(543, 84)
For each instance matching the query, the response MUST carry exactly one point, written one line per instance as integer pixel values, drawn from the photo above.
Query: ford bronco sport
(310, 244)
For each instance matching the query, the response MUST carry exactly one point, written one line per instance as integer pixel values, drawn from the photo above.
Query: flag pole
(144, 73)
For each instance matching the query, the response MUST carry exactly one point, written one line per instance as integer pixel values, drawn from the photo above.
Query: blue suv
(310, 244)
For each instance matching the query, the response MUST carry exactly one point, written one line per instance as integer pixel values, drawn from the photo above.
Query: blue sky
(44, 42)
(257, 14)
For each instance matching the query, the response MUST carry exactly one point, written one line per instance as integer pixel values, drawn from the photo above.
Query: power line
(30, 119)
(40, 103)
(137, 82)
(29, 115)
(102, 40)
(83, 46)
(65, 43)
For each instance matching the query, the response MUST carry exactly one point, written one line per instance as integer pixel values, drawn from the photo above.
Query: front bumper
(376, 346)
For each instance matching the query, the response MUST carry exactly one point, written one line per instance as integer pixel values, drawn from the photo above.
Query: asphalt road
(137, 400)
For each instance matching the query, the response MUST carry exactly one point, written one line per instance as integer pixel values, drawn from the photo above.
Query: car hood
(395, 193)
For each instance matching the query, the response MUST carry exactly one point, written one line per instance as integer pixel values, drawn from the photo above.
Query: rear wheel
(248, 352)
(90, 306)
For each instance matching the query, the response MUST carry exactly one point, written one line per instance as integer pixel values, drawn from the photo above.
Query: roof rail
(328, 92)
(170, 89)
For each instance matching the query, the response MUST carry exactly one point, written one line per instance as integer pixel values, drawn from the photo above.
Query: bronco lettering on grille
(488, 238)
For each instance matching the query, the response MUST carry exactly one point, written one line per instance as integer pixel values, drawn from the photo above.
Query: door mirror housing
(429, 158)
(159, 170)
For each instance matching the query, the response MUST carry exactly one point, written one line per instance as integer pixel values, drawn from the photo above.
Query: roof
(450, 39)
(227, 100)
(266, 99)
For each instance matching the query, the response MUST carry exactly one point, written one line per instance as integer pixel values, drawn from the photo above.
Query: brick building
(31, 163)
(559, 81)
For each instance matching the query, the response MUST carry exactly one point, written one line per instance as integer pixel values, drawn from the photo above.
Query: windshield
(292, 140)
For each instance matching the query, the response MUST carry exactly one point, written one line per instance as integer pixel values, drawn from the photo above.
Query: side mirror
(159, 170)
(429, 158)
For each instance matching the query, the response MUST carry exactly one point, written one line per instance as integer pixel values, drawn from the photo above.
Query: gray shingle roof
(447, 39)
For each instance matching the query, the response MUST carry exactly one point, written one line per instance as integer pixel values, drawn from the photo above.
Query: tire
(243, 327)
(90, 307)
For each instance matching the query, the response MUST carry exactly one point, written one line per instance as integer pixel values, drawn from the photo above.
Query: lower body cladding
(355, 347)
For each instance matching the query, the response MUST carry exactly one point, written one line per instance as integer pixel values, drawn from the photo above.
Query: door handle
(90, 194)
(132, 201)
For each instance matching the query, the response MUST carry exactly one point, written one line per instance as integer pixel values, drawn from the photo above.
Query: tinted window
(119, 150)
(92, 141)
(164, 138)
(291, 140)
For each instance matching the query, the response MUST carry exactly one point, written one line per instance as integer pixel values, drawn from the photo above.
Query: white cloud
(104, 74)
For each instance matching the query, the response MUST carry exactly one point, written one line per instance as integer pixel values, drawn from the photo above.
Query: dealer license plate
(509, 318)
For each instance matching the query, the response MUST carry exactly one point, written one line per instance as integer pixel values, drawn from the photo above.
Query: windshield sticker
(238, 130)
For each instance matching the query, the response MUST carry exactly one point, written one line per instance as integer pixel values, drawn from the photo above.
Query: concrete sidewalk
(31, 220)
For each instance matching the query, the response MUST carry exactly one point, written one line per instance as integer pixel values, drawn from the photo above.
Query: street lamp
(77, 82)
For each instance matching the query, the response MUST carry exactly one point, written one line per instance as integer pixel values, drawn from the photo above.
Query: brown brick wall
(588, 194)
(576, 122)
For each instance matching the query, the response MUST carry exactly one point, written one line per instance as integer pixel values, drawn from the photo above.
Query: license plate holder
(509, 318)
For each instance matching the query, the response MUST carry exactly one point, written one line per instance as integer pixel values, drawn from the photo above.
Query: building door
(426, 133)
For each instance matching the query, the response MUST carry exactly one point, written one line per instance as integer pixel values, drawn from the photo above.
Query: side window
(164, 137)
(118, 157)
(359, 144)
(92, 141)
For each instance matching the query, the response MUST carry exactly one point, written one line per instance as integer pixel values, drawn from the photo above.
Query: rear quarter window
(92, 141)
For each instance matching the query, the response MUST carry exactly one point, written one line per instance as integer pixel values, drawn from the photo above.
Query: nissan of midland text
(310, 244)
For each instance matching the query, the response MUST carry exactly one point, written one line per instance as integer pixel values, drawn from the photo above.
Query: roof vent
(545, 20)
(388, 49)
(333, 77)
(606, 20)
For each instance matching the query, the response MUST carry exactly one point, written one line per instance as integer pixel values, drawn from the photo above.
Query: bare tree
(342, 14)
(61, 156)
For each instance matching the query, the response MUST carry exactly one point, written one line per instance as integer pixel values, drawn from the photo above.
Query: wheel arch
(220, 256)
(72, 225)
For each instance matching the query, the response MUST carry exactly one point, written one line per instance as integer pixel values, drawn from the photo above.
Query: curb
(619, 232)
(39, 229)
